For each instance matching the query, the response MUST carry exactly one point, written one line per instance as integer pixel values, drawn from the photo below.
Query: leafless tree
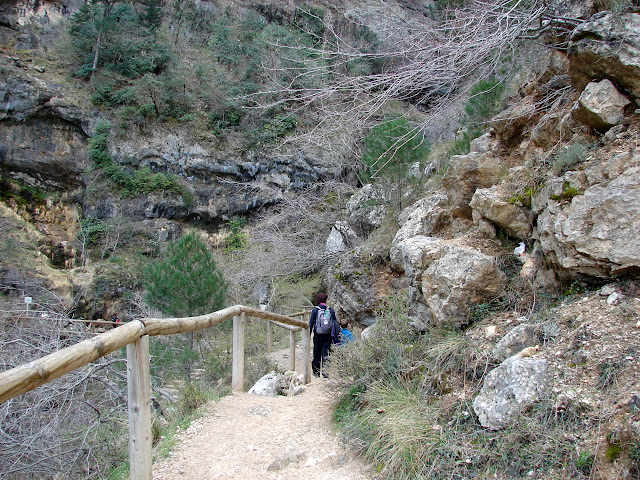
(289, 239)
(433, 62)
(73, 426)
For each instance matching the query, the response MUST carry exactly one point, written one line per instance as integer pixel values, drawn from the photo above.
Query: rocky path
(248, 437)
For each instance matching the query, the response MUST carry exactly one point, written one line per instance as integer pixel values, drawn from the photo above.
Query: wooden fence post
(269, 336)
(139, 394)
(292, 350)
(237, 368)
(306, 353)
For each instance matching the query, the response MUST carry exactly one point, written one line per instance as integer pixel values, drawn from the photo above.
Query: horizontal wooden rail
(135, 336)
(24, 378)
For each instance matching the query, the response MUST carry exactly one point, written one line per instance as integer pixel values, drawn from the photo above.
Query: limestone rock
(351, 287)
(600, 105)
(267, 386)
(509, 124)
(366, 209)
(426, 217)
(454, 278)
(597, 233)
(607, 46)
(492, 205)
(467, 173)
(341, 238)
(520, 337)
(514, 385)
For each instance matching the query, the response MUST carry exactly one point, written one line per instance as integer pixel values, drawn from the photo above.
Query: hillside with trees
(461, 177)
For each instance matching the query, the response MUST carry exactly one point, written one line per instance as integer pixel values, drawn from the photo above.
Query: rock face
(41, 133)
(607, 46)
(600, 105)
(596, 233)
(493, 206)
(514, 385)
(466, 173)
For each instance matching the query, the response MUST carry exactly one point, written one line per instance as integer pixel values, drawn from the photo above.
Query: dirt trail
(248, 437)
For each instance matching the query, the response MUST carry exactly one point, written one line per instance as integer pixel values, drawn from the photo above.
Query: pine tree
(186, 282)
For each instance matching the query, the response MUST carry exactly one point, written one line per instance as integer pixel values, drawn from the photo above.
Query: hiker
(115, 321)
(345, 334)
(324, 326)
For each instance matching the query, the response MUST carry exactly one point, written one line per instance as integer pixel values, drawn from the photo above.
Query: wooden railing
(135, 336)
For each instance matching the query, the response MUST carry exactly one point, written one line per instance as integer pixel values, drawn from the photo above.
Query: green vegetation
(398, 405)
(186, 281)
(568, 158)
(483, 103)
(584, 463)
(390, 148)
(525, 198)
(21, 192)
(130, 184)
(236, 239)
(568, 192)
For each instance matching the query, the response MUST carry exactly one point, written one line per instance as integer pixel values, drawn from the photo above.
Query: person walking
(324, 325)
(345, 334)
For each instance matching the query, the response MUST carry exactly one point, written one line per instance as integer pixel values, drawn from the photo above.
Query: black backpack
(324, 322)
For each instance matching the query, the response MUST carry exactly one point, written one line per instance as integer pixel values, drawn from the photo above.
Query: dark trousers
(321, 348)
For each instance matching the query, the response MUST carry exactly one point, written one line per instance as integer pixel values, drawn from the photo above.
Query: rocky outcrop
(597, 233)
(600, 105)
(467, 173)
(42, 133)
(607, 47)
(517, 383)
(495, 206)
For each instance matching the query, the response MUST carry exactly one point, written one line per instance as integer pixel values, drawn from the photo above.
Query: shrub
(236, 239)
(568, 157)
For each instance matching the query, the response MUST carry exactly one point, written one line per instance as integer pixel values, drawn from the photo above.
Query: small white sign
(28, 300)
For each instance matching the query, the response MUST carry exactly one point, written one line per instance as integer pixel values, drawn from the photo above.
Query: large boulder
(350, 284)
(445, 279)
(494, 205)
(454, 279)
(366, 209)
(596, 233)
(427, 217)
(607, 46)
(511, 387)
(467, 173)
(600, 105)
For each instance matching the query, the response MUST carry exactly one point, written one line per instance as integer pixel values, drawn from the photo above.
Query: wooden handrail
(135, 336)
(24, 378)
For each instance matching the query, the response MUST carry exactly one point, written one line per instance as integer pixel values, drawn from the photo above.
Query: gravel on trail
(247, 437)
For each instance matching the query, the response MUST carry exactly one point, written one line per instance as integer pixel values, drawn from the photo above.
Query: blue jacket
(345, 336)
